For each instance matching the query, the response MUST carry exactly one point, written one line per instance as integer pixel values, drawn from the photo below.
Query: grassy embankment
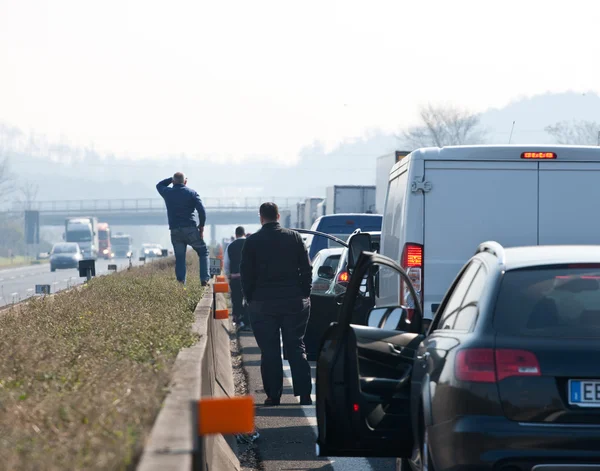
(83, 373)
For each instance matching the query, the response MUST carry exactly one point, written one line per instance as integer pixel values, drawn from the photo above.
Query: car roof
(331, 251)
(523, 257)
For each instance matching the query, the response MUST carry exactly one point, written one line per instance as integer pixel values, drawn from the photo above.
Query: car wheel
(52, 269)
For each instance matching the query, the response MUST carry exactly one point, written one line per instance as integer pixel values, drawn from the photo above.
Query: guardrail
(150, 204)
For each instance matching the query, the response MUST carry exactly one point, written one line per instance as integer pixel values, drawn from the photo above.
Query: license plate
(584, 393)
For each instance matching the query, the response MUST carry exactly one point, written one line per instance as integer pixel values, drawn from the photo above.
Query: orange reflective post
(221, 279)
(221, 288)
(222, 314)
(226, 415)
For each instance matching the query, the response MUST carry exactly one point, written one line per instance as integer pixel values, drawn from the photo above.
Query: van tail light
(412, 262)
(486, 365)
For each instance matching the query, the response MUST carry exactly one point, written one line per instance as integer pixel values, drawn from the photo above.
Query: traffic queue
(463, 333)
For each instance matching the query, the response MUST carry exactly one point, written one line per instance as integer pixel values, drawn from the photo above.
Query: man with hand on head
(182, 202)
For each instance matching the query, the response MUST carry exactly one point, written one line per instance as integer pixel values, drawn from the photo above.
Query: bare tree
(5, 178)
(28, 192)
(575, 132)
(445, 126)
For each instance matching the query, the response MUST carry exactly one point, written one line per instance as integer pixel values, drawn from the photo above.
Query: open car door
(364, 374)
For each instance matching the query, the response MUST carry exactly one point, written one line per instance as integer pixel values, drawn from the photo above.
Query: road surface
(18, 284)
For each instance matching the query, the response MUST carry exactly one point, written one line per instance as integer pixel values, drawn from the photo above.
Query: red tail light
(343, 277)
(475, 365)
(412, 262)
(486, 365)
(516, 363)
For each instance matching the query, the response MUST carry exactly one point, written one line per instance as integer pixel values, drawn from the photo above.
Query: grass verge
(83, 373)
(19, 261)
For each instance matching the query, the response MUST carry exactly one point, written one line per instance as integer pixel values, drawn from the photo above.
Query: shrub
(83, 373)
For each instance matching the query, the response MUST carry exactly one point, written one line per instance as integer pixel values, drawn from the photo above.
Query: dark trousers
(290, 317)
(181, 237)
(239, 312)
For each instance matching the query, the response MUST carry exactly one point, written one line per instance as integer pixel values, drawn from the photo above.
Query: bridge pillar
(213, 234)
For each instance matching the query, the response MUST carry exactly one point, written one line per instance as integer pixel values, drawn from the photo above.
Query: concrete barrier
(199, 371)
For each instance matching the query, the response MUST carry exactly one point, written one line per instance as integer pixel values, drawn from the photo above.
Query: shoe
(205, 283)
(269, 401)
(306, 400)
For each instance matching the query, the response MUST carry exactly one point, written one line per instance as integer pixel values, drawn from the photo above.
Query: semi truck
(310, 211)
(104, 245)
(122, 245)
(84, 231)
(350, 199)
(383, 167)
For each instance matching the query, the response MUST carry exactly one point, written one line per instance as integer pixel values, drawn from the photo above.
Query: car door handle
(425, 356)
(394, 350)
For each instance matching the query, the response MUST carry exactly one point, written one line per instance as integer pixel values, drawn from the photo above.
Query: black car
(506, 377)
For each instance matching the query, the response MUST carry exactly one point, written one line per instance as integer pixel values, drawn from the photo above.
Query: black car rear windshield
(557, 301)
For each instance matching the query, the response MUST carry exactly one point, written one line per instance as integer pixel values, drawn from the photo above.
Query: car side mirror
(376, 316)
(326, 272)
(357, 243)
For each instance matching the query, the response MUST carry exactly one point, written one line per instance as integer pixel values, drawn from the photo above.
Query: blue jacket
(181, 203)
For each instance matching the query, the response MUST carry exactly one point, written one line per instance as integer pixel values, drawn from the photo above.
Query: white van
(442, 203)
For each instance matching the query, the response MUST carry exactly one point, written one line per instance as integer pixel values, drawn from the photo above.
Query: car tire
(402, 464)
(52, 269)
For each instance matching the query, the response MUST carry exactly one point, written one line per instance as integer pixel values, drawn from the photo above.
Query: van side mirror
(326, 272)
(357, 243)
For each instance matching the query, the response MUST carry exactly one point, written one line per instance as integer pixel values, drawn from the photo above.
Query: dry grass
(83, 375)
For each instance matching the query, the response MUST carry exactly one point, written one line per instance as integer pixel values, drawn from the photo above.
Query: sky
(239, 79)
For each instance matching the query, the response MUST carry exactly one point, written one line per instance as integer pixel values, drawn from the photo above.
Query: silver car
(65, 255)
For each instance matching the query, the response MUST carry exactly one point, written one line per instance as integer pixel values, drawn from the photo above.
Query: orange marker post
(221, 288)
(221, 314)
(221, 279)
(226, 415)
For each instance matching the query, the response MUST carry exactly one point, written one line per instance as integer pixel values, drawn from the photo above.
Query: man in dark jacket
(232, 261)
(276, 282)
(182, 202)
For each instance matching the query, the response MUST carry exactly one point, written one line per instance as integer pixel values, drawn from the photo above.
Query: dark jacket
(275, 265)
(181, 203)
(233, 257)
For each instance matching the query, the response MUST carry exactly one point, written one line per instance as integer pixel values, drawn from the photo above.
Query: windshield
(550, 302)
(78, 236)
(120, 241)
(103, 235)
(64, 248)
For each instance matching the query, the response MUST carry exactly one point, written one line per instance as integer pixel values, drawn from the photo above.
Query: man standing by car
(232, 260)
(181, 203)
(276, 283)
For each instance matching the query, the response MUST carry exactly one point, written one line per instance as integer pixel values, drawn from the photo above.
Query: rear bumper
(495, 443)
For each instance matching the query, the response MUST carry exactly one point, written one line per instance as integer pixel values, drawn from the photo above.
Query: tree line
(442, 125)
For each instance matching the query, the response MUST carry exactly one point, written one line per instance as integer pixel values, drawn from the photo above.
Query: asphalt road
(18, 284)
(288, 432)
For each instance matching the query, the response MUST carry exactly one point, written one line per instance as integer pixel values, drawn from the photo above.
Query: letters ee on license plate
(584, 393)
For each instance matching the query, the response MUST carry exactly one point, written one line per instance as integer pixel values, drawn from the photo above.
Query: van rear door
(569, 202)
(471, 202)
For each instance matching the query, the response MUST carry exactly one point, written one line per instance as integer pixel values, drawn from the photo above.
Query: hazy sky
(243, 78)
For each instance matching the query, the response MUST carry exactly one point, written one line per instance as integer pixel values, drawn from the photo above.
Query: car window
(468, 310)
(554, 302)
(332, 261)
(451, 308)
